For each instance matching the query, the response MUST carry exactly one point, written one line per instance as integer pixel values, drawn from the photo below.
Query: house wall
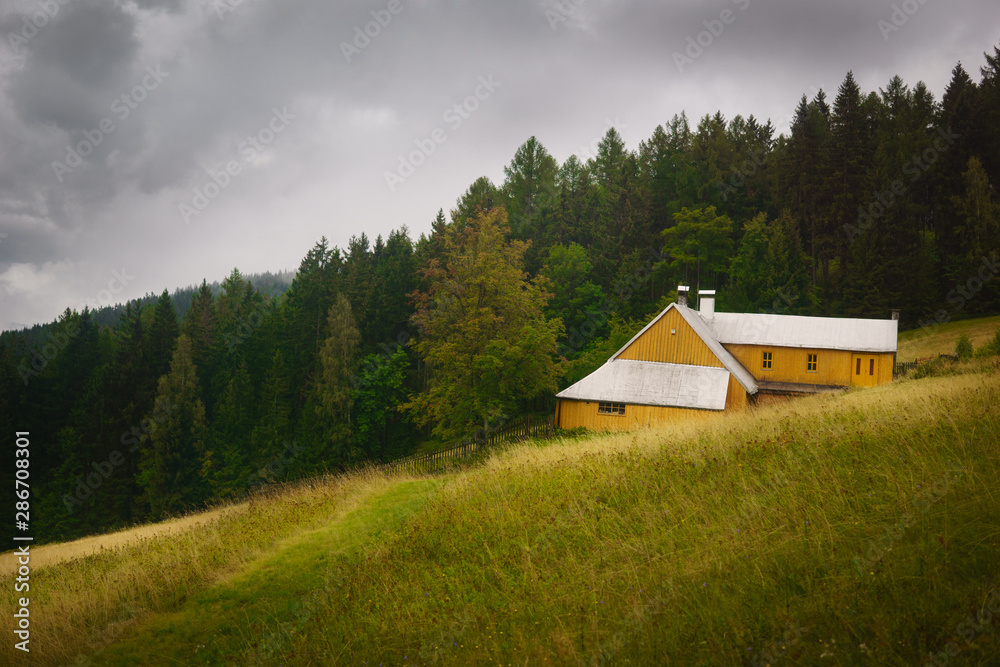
(682, 347)
(572, 414)
(736, 395)
(836, 367)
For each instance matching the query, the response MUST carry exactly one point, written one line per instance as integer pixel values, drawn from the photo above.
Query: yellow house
(688, 364)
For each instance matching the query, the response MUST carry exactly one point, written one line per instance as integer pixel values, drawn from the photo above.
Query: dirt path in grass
(53, 554)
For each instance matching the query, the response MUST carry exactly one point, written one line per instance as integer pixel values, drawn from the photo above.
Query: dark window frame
(610, 408)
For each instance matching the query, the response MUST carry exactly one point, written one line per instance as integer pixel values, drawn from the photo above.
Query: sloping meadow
(81, 605)
(852, 529)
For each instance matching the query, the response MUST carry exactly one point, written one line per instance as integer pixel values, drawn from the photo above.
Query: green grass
(800, 534)
(852, 529)
(941, 338)
(252, 617)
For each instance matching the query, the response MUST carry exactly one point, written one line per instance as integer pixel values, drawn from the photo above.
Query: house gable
(679, 333)
(669, 339)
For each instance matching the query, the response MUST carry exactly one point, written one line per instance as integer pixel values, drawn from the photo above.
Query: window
(767, 361)
(857, 371)
(611, 409)
(812, 363)
(871, 367)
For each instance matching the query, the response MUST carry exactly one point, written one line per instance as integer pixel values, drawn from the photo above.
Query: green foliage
(175, 458)
(699, 241)
(484, 335)
(337, 358)
(599, 350)
(382, 431)
(770, 271)
(856, 211)
(577, 301)
(799, 569)
(963, 348)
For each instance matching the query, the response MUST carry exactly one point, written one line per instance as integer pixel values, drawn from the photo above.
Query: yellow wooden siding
(682, 347)
(886, 369)
(572, 414)
(789, 364)
(736, 396)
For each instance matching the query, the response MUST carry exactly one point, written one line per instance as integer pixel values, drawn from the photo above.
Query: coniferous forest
(875, 200)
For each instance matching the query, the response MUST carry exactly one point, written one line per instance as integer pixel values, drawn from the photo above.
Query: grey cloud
(561, 80)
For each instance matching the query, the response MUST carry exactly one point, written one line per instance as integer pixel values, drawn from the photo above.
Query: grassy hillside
(940, 339)
(839, 530)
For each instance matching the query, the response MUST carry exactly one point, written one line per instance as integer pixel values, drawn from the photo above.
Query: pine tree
(338, 358)
(847, 178)
(172, 462)
(989, 102)
(163, 333)
(382, 431)
(231, 435)
(529, 189)
(698, 246)
(960, 119)
(274, 409)
(978, 230)
(576, 300)
(304, 316)
(481, 197)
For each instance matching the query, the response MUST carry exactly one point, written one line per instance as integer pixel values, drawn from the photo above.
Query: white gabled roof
(653, 383)
(742, 375)
(824, 333)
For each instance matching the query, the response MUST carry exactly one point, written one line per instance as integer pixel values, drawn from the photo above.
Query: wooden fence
(515, 431)
(905, 367)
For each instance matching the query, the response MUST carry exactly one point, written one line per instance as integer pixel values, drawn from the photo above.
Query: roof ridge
(704, 331)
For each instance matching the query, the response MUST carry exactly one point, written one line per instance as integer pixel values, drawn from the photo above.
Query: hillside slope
(837, 530)
(941, 339)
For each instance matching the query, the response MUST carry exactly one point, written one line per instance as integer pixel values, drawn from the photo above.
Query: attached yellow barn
(689, 364)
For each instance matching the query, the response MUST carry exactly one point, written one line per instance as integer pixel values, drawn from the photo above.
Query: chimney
(682, 295)
(706, 303)
(895, 313)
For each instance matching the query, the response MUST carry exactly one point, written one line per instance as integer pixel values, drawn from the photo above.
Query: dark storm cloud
(72, 65)
(566, 68)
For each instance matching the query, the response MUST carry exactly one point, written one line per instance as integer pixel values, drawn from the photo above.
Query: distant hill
(271, 284)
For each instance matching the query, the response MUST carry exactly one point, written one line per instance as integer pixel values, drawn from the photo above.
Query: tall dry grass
(699, 544)
(81, 601)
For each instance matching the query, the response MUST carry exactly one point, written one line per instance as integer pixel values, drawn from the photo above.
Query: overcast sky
(114, 115)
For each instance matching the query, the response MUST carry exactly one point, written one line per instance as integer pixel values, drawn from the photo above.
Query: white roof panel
(824, 333)
(652, 383)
